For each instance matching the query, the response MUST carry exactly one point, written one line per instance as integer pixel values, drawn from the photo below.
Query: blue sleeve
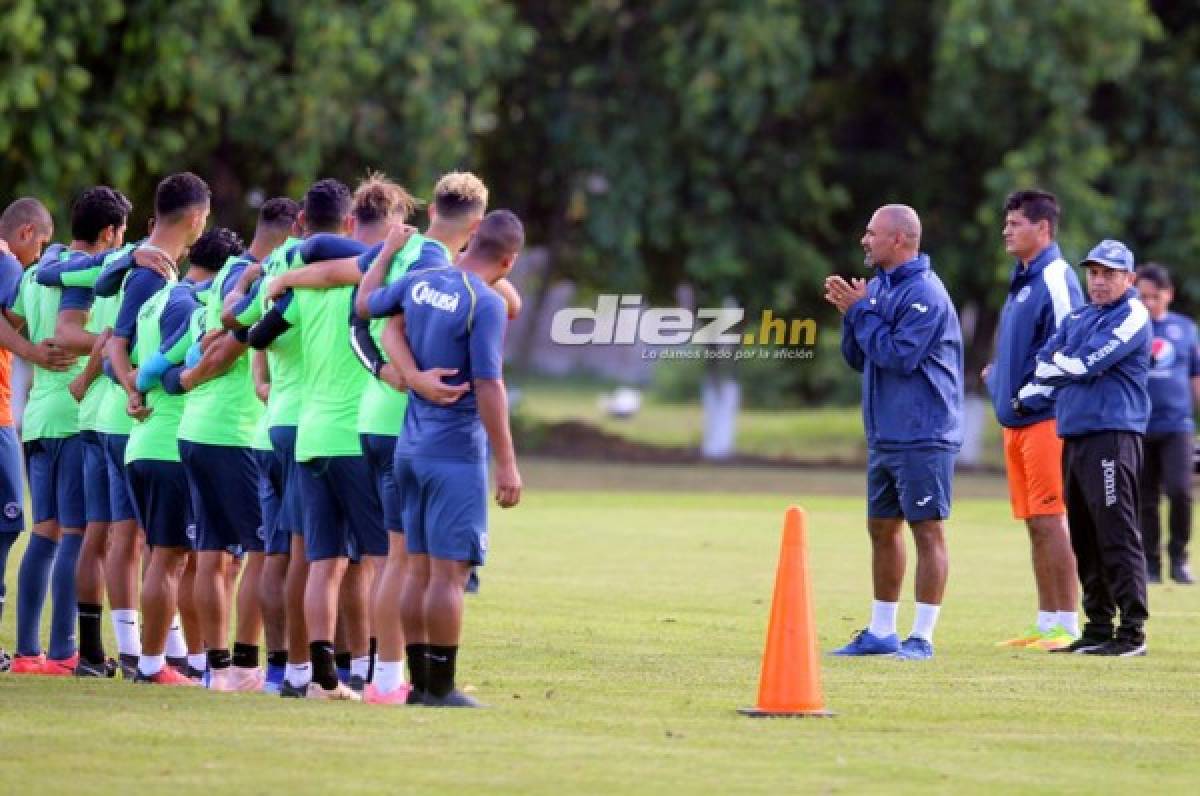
(109, 281)
(174, 323)
(1194, 356)
(851, 351)
(485, 340)
(150, 373)
(75, 298)
(903, 343)
(10, 280)
(329, 247)
(366, 258)
(387, 300)
(233, 277)
(170, 380)
(58, 272)
(141, 285)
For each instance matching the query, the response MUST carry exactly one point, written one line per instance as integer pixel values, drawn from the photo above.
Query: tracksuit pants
(1100, 482)
(1167, 468)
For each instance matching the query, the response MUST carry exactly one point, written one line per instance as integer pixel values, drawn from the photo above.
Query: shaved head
(902, 220)
(25, 211)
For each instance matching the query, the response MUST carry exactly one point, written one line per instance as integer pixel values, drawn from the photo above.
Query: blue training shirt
(1174, 362)
(453, 319)
(10, 279)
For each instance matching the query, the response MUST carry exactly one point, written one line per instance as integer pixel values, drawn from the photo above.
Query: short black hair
(178, 193)
(214, 247)
(1035, 205)
(499, 234)
(326, 205)
(279, 212)
(98, 208)
(1155, 274)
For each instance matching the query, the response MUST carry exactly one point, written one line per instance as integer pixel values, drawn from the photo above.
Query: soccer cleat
(128, 665)
(357, 683)
(416, 696)
(1029, 638)
(1056, 638)
(915, 648)
(1081, 645)
(1118, 648)
(397, 696)
(5, 660)
(198, 675)
(1181, 573)
(289, 691)
(167, 675)
(180, 664)
(105, 669)
(27, 664)
(235, 678)
(454, 699)
(866, 643)
(60, 668)
(340, 692)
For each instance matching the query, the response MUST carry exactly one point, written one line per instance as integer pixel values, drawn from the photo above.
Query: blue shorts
(341, 510)
(223, 485)
(289, 516)
(12, 484)
(120, 499)
(96, 506)
(276, 541)
(380, 453)
(160, 498)
(914, 484)
(445, 507)
(56, 480)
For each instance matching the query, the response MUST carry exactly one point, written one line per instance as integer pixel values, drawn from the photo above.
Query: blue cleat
(867, 644)
(915, 649)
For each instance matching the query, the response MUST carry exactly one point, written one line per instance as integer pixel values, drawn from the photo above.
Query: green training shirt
(50, 411)
(285, 356)
(157, 437)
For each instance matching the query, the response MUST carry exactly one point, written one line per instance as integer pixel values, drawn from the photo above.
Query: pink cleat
(63, 668)
(397, 696)
(28, 664)
(235, 678)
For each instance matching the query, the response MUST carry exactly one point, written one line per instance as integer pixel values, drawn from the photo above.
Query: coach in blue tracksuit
(901, 331)
(1095, 367)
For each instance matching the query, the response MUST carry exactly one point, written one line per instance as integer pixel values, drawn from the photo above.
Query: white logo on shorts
(925, 500)
(190, 531)
(921, 308)
(12, 510)
(483, 541)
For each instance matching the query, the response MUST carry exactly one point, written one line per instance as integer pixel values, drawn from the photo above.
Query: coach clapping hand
(842, 294)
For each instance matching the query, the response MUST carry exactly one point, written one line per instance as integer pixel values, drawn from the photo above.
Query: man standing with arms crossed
(1095, 368)
(901, 331)
(1043, 289)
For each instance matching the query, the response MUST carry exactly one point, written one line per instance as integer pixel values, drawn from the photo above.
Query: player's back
(452, 320)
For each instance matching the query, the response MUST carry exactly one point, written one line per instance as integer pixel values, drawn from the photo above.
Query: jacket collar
(903, 271)
(1036, 265)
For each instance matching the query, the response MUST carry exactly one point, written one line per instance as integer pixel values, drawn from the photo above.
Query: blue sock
(7, 540)
(275, 673)
(32, 582)
(65, 616)
(343, 675)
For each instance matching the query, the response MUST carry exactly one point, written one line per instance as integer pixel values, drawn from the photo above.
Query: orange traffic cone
(791, 676)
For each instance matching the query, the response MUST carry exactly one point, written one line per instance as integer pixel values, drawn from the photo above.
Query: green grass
(615, 635)
(811, 434)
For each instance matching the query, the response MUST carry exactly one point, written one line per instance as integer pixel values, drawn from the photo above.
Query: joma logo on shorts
(1108, 468)
(422, 293)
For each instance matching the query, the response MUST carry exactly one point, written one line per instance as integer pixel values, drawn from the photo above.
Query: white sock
(176, 645)
(298, 675)
(199, 661)
(360, 666)
(1069, 621)
(389, 675)
(1047, 620)
(125, 627)
(151, 665)
(925, 620)
(883, 619)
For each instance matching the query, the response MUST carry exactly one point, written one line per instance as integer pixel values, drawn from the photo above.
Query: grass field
(615, 635)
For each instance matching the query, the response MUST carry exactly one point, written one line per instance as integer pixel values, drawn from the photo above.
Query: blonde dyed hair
(459, 195)
(378, 198)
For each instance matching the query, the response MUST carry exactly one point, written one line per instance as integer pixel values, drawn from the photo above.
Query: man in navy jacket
(901, 331)
(1095, 368)
(1042, 291)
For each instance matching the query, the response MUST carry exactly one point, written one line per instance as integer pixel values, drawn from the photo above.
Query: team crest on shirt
(1162, 353)
(12, 510)
(1023, 294)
